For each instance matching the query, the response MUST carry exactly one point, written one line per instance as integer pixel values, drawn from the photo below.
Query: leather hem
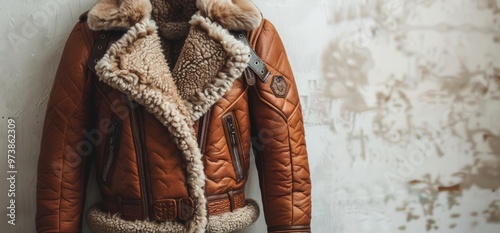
(290, 229)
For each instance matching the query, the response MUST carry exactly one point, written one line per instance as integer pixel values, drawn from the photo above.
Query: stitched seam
(291, 158)
(293, 112)
(289, 145)
(257, 33)
(228, 108)
(265, 101)
(293, 190)
(280, 72)
(270, 46)
(291, 170)
(86, 35)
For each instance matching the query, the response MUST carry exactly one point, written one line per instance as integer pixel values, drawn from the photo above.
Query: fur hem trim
(122, 14)
(101, 222)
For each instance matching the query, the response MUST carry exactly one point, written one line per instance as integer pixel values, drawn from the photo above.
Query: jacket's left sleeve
(65, 149)
(279, 145)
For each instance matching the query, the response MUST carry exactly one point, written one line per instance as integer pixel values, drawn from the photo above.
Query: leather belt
(223, 203)
(129, 209)
(174, 209)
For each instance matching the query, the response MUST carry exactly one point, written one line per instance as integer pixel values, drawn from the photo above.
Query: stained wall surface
(401, 101)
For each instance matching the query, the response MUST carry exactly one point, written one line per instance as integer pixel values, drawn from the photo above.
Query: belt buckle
(186, 208)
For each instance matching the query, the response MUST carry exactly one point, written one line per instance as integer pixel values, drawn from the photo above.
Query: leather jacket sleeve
(279, 143)
(65, 149)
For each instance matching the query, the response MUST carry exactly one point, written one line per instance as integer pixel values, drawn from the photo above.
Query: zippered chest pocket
(233, 141)
(111, 149)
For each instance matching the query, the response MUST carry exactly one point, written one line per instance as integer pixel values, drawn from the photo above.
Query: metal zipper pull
(111, 150)
(234, 148)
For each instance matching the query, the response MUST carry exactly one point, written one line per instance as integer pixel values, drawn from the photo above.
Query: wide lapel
(211, 60)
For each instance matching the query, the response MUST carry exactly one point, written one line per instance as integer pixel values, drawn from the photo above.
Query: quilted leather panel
(280, 146)
(124, 178)
(270, 49)
(165, 166)
(221, 176)
(301, 175)
(241, 112)
(61, 174)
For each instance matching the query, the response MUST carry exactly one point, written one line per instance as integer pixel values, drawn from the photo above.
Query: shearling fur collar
(122, 14)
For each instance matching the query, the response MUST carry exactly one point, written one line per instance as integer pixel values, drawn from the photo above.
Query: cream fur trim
(122, 14)
(100, 222)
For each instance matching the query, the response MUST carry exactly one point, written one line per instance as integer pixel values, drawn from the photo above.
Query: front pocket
(111, 149)
(233, 144)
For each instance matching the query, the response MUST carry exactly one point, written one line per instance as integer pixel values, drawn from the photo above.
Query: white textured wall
(401, 102)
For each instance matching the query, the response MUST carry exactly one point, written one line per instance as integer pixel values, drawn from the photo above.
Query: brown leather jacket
(166, 148)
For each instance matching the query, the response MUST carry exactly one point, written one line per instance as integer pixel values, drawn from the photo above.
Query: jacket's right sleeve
(65, 149)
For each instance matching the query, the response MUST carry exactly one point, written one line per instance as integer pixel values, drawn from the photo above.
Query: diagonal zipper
(111, 149)
(233, 145)
(134, 112)
(203, 131)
